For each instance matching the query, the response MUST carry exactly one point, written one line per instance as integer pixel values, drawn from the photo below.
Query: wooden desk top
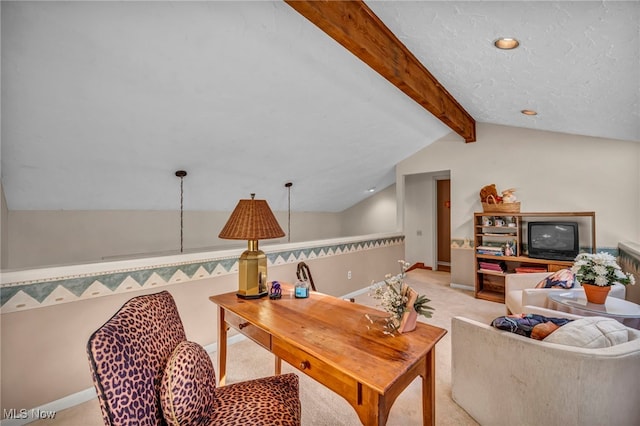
(335, 331)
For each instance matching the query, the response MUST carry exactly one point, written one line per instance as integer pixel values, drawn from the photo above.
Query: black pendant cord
(288, 185)
(181, 174)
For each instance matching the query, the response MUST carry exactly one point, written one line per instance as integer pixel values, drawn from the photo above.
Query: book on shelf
(496, 251)
(530, 269)
(490, 271)
(492, 266)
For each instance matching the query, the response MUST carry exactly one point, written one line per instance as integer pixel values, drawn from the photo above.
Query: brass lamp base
(252, 273)
(257, 296)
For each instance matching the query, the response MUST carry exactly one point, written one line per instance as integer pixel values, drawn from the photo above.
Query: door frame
(436, 240)
(427, 222)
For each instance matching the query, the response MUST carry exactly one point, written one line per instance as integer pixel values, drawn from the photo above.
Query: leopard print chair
(146, 373)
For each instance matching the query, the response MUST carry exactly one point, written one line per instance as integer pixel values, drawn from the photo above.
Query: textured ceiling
(103, 101)
(578, 63)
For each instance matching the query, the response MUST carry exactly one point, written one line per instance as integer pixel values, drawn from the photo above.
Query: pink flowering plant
(393, 295)
(600, 269)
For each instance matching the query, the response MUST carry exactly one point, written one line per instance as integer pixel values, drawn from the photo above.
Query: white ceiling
(103, 101)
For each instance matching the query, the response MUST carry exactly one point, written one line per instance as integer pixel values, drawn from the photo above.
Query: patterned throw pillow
(563, 278)
(187, 389)
(524, 324)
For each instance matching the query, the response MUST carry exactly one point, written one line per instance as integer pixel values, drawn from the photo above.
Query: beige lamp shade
(251, 220)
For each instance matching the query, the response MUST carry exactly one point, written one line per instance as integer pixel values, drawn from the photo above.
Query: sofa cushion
(590, 332)
(187, 389)
(563, 278)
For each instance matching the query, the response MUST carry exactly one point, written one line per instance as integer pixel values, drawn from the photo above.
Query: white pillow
(590, 332)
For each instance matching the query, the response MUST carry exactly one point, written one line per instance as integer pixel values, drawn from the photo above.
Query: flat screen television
(553, 240)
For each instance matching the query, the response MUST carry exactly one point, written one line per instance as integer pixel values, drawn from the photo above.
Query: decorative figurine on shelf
(508, 197)
(488, 191)
(276, 290)
(510, 248)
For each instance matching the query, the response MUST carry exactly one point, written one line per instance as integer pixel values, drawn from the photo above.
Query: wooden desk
(327, 338)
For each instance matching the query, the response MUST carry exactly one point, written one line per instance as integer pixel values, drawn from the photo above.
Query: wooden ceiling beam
(359, 30)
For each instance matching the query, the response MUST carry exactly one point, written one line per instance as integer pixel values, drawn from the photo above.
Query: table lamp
(252, 220)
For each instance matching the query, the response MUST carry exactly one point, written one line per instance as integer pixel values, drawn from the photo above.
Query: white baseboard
(230, 341)
(355, 293)
(462, 286)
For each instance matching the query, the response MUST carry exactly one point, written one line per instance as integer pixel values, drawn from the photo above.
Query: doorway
(443, 224)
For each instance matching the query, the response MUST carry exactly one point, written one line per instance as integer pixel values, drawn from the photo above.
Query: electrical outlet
(348, 275)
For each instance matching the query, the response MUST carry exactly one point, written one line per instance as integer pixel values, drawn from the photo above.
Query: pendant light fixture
(181, 174)
(288, 185)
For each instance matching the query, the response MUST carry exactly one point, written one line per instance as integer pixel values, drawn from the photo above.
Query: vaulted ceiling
(103, 101)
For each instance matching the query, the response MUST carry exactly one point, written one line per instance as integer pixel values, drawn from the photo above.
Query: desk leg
(278, 365)
(372, 408)
(429, 389)
(222, 348)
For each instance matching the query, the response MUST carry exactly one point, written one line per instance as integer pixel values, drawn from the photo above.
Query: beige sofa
(501, 378)
(516, 298)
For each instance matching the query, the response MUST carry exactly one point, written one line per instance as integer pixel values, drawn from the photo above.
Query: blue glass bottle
(301, 289)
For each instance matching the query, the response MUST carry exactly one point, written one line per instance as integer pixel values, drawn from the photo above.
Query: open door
(443, 211)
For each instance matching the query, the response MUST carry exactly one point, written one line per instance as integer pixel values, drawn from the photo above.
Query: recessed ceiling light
(529, 112)
(506, 43)
(371, 189)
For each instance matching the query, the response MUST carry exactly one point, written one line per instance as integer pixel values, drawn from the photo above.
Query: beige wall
(551, 171)
(43, 349)
(39, 238)
(373, 215)
(4, 231)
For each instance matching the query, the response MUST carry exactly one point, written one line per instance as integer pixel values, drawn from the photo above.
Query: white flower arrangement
(600, 269)
(394, 295)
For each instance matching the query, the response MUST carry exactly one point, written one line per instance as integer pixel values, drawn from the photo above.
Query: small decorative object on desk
(401, 302)
(301, 289)
(600, 271)
(275, 291)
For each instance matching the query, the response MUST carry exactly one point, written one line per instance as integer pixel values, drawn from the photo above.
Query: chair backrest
(128, 355)
(304, 273)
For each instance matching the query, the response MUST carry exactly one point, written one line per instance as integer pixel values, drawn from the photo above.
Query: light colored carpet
(322, 407)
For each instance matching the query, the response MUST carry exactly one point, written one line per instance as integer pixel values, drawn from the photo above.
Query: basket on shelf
(495, 207)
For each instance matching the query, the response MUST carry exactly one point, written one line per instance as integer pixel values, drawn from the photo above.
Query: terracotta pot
(410, 317)
(595, 293)
(409, 320)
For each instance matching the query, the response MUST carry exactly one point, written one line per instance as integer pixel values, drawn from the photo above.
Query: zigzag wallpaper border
(629, 261)
(23, 295)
